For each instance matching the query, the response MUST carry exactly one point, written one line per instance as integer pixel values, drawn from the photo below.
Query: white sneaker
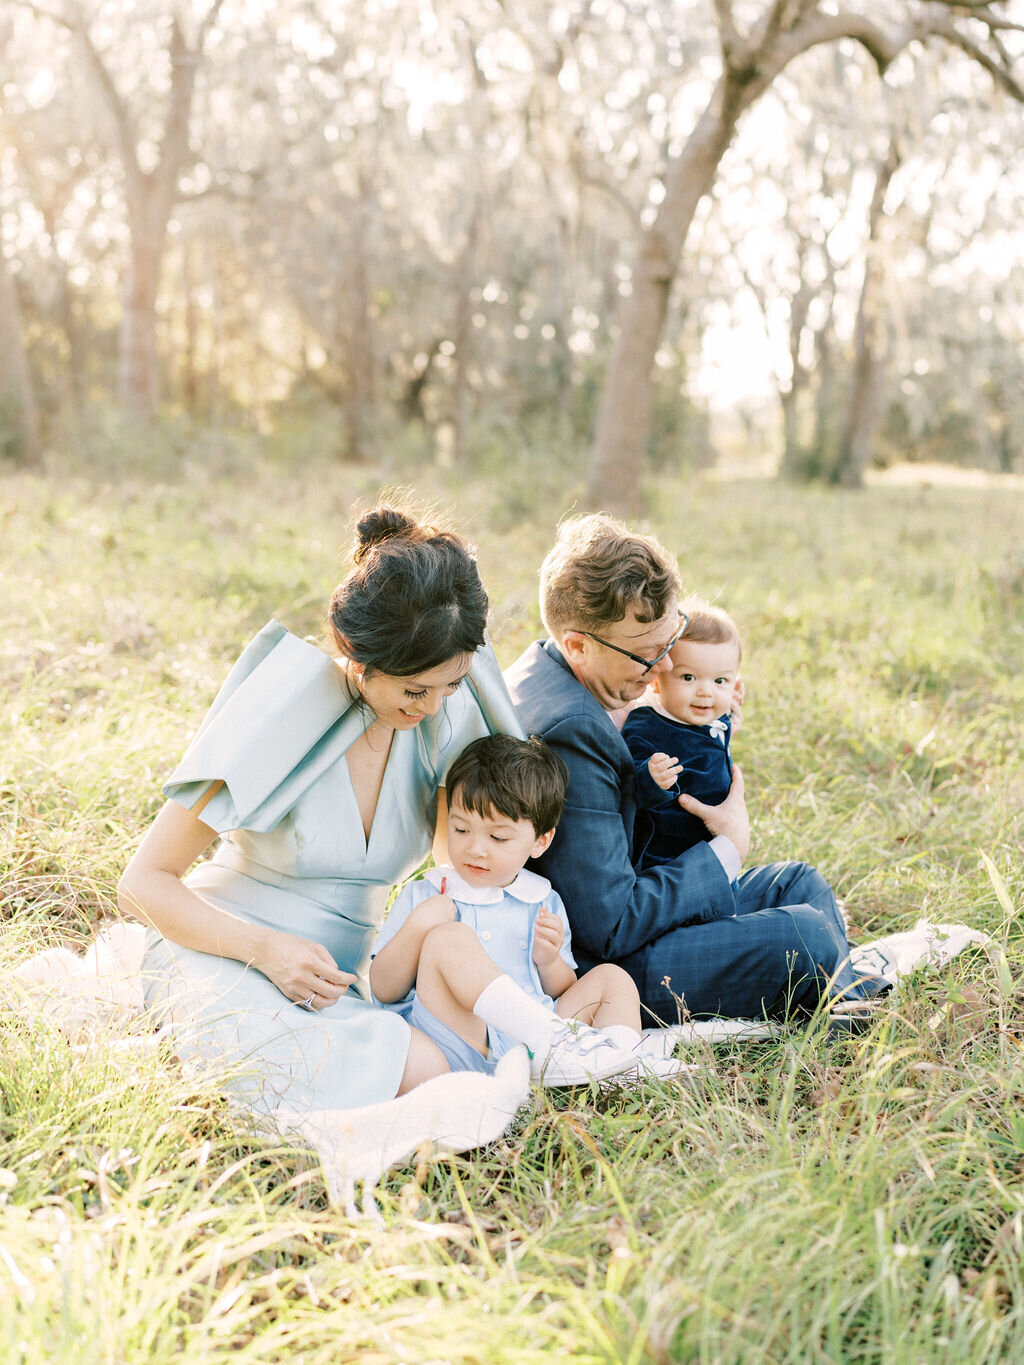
(653, 1066)
(575, 1054)
(664, 1069)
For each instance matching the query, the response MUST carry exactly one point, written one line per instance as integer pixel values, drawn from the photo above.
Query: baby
(477, 952)
(681, 742)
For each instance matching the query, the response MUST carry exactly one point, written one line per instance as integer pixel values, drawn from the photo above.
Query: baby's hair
(521, 779)
(710, 625)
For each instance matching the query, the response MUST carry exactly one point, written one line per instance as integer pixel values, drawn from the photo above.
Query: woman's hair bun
(378, 524)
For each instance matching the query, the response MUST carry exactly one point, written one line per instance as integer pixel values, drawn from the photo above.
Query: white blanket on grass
(92, 998)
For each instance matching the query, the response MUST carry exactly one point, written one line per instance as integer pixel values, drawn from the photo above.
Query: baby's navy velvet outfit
(663, 828)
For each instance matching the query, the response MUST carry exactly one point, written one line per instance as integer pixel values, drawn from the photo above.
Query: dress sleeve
(482, 706)
(280, 718)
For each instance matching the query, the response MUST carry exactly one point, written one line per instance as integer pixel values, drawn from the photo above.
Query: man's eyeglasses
(647, 663)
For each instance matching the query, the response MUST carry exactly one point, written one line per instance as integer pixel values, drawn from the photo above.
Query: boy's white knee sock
(505, 1006)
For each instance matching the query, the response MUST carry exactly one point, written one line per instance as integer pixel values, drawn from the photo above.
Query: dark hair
(597, 570)
(413, 599)
(521, 779)
(710, 625)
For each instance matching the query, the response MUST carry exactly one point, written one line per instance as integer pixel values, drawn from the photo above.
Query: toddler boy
(477, 952)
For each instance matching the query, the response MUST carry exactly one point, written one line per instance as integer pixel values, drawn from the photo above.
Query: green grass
(812, 1201)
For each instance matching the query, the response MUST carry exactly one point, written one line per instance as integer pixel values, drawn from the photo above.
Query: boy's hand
(547, 938)
(664, 770)
(433, 911)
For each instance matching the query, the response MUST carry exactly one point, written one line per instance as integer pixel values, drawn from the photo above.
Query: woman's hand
(547, 938)
(302, 970)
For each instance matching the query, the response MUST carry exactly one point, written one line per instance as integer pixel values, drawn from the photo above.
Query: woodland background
(627, 236)
(259, 259)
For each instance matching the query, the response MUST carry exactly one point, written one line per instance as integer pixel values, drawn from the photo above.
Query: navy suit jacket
(613, 908)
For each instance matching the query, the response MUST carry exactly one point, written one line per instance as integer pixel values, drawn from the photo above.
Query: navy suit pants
(778, 953)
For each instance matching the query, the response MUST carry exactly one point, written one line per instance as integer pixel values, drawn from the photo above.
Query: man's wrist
(727, 854)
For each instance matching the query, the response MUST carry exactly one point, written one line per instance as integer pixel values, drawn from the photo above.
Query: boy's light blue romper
(503, 919)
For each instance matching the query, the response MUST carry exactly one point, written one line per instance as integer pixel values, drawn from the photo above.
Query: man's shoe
(848, 1018)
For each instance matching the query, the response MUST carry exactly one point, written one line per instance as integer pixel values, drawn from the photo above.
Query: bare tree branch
(76, 25)
(206, 26)
(728, 37)
(999, 72)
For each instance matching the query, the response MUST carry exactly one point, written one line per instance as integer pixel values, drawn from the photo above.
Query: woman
(322, 778)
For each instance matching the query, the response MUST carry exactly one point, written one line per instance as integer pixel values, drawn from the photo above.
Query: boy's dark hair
(521, 779)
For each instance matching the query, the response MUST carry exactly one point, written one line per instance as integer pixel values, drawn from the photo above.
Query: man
(692, 929)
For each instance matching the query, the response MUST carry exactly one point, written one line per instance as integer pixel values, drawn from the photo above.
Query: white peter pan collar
(527, 887)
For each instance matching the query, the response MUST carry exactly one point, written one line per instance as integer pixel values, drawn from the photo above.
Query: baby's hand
(664, 770)
(547, 938)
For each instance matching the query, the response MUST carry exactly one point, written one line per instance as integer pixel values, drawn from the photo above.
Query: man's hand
(547, 938)
(664, 770)
(730, 818)
(736, 705)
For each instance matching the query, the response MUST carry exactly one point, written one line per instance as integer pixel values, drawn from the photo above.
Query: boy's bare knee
(446, 939)
(611, 978)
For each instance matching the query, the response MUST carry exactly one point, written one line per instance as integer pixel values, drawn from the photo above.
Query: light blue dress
(293, 856)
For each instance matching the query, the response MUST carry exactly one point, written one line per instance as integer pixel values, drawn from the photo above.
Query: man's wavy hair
(598, 570)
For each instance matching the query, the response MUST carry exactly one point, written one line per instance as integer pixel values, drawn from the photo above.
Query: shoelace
(583, 1043)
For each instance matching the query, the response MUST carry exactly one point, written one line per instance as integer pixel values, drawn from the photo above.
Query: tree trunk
(791, 398)
(624, 417)
(864, 403)
(138, 373)
(76, 388)
(149, 195)
(465, 279)
(828, 398)
(750, 63)
(190, 348)
(19, 421)
(358, 340)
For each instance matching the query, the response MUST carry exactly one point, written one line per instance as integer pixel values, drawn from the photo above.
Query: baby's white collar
(527, 887)
(655, 705)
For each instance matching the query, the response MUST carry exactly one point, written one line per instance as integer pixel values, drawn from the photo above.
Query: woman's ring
(307, 1004)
